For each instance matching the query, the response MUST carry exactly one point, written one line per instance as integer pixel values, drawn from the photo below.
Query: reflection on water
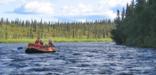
(78, 59)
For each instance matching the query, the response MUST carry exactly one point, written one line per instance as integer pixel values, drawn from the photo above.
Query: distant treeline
(18, 29)
(136, 25)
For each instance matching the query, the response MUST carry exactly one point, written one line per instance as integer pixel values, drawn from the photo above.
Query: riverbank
(26, 40)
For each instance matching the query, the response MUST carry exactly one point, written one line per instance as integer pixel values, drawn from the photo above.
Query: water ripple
(81, 58)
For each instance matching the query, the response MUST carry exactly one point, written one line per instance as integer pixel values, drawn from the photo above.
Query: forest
(19, 29)
(136, 24)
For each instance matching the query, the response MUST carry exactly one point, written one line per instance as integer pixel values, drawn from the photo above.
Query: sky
(61, 10)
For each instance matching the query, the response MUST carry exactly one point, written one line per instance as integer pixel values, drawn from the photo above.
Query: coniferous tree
(138, 26)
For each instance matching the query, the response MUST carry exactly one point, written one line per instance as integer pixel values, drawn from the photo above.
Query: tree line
(19, 29)
(136, 24)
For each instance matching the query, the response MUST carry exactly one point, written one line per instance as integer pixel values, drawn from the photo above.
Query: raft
(34, 50)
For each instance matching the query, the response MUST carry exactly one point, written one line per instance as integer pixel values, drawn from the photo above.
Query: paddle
(19, 48)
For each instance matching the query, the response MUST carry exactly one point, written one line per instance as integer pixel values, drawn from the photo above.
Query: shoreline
(28, 40)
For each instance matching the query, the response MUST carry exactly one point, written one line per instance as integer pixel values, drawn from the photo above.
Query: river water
(81, 58)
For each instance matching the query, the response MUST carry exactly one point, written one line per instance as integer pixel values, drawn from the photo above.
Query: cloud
(86, 10)
(76, 10)
(89, 18)
(73, 10)
(100, 7)
(35, 7)
(114, 3)
(109, 7)
(6, 1)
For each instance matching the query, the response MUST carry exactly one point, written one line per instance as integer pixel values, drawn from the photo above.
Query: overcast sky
(61, 10)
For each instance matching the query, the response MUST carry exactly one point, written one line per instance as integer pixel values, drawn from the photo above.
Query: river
(82, 58)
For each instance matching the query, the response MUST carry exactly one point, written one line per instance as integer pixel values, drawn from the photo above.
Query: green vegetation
(56, 40)
(136, 26)
(28, 31)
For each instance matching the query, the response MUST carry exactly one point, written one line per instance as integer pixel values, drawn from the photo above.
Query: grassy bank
(27, 40)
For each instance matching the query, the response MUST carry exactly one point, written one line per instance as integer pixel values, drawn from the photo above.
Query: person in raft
(50, 43)
(38, 43)
(50, 46)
